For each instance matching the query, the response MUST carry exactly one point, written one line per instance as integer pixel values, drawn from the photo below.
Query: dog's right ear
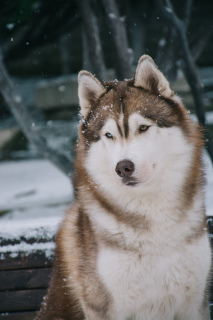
(89, 90)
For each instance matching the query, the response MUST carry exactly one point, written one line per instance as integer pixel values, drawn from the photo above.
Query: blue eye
(143, 128)
(109, 135)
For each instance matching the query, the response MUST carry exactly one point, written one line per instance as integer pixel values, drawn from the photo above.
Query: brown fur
(73, 264)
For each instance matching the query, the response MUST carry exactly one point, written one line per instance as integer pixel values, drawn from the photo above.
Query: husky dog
(134, 244)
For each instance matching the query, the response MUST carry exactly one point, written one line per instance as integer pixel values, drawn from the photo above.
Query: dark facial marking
(91, 128)
(126, 127)
(119, 130)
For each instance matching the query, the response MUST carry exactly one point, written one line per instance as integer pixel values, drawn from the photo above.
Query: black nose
(125, 168)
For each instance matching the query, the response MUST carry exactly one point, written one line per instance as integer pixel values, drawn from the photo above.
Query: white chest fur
(156, 285)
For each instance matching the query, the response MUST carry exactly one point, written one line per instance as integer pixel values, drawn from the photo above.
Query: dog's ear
(89, 90)
(149, 77)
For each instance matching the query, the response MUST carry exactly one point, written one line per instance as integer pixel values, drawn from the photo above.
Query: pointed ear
(149, 77)
(89, 90)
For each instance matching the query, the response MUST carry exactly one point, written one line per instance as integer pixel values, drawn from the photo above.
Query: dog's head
(134, 130)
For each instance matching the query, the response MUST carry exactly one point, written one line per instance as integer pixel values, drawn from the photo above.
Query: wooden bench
(25, 270)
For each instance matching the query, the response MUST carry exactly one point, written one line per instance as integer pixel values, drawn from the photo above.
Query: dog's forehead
(127, 99)
(124, 98)
(118, 103)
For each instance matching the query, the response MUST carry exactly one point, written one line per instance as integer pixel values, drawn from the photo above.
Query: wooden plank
(211, 311)
(24, 279)
(12, 301)
(18, 316)
(22, 261)
(211, 292)
(209, 221)
(32, 240)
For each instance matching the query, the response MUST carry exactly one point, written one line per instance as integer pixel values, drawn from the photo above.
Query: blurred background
(44, 44)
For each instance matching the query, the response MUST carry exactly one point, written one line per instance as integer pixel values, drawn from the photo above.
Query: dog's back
(134, 244)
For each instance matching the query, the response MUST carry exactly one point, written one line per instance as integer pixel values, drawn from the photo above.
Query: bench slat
(23, 300)
(24, 279)
(22, 261)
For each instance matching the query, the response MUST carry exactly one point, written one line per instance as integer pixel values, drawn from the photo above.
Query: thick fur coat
(134, 244)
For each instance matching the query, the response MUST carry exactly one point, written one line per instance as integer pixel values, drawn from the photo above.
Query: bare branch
(200, 44)
(123, 53)
(188, 67)
(23, 118)
(93, 39)
(187, 12)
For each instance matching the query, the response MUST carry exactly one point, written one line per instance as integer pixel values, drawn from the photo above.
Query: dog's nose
(125, 168)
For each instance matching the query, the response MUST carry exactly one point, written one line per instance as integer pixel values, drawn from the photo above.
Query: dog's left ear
(149, 77)
(89, 90)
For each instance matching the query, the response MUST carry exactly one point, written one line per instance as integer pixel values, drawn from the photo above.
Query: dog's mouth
(130, 182)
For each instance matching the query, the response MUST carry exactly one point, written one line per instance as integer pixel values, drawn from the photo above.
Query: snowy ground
(33, 199)
(35, 192)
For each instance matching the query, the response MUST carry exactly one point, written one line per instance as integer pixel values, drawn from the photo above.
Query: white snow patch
(30, 228)
(36, 194)
(168, 9)
(26, 248)
(35, 212)
(32, 184)
(112, 16)
(10, 26)
(62, 88)
(208, 115)
(17, 98)
(162, 42)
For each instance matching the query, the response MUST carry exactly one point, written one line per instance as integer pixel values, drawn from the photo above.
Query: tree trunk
(123, 54)
(93, 40)
(64, 49)
(137, 21)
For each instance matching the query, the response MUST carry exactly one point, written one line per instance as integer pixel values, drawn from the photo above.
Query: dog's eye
(109, 135)
(143, 128)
